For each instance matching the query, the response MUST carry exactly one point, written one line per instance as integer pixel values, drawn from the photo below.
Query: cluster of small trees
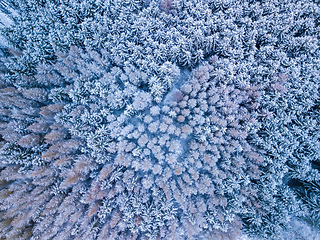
(161, 119)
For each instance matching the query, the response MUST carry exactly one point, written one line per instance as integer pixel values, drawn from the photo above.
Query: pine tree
(160, 119)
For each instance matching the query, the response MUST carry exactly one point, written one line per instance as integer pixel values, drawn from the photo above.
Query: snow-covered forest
(159, 119)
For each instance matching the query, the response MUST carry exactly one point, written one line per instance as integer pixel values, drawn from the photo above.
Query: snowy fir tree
(159, 119)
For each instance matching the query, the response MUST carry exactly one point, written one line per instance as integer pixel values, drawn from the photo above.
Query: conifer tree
(159, 119)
